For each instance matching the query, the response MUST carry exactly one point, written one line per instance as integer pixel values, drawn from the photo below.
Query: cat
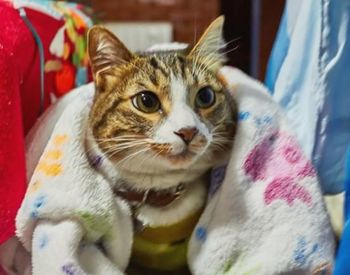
(164, 120)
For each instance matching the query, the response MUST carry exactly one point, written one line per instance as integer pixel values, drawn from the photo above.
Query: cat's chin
(182, 160)
(184, 157)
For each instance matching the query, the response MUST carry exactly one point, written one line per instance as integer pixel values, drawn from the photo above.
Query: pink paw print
(285, 189)
(279, 159)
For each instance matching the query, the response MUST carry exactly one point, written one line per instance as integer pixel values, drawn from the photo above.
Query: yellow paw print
(50, 164)
(48, 169)
(60, 139)
(34, 186)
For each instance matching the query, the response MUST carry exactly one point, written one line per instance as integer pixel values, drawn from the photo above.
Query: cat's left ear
(208, 48)
(105, 50)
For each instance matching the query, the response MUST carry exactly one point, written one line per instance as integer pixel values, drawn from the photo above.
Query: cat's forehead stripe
(182, 64)
(153, 78)
(174, 63)
(156, 63)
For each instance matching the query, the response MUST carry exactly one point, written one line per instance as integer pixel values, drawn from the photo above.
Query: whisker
(224, 45)
(117, 149)
(133, 155)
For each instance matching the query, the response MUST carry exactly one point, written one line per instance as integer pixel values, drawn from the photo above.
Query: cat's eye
(146, 102)
(205, 97)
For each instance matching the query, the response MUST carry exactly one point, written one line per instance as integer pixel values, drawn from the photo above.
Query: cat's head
(163, 108)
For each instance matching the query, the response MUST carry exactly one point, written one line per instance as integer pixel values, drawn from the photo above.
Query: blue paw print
(301, 255)
(201, 234)
(263, 121)
(43, 241)
(243, 115)
(37, 204)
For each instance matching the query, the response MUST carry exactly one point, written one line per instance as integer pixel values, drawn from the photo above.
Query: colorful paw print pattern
(50, 165)
(277, 158)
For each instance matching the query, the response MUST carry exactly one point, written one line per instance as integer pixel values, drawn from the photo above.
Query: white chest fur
(191, 201)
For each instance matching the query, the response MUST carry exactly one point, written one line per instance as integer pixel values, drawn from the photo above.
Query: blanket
(264, 213)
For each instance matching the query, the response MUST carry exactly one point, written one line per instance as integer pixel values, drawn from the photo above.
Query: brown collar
(156, 198)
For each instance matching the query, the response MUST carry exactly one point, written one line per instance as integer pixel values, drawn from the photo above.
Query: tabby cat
(164, 120)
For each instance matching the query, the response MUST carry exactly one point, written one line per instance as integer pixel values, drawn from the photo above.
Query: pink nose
(187, 134)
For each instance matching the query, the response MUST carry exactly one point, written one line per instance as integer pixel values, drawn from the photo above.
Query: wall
(191, 17)
(187, 16)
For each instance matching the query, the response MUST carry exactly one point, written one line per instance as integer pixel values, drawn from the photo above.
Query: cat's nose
(187, 134)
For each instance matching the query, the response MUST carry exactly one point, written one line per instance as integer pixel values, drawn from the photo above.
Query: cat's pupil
(146, 102)
(205, 97)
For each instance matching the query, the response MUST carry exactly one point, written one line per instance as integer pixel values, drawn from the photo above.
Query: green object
(95, 226)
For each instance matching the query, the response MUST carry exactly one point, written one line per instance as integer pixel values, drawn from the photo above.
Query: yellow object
(51, 170)
(66, 51)
(335, 208)
(60, 139)
(53, 66)
(53, 154)
(33, 187)
(164, 247)
(159, 256)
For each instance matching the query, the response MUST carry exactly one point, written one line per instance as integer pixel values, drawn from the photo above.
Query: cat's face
(162, 109)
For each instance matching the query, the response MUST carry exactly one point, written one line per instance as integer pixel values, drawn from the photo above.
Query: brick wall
(188, 16)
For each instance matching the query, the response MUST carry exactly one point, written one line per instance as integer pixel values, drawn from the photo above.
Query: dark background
(191, 17)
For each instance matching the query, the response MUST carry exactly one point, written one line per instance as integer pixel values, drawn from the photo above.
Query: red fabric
(19, 102)
(20, 97)
(12, 173)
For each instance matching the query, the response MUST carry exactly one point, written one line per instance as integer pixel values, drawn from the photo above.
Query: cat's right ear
(105, 50)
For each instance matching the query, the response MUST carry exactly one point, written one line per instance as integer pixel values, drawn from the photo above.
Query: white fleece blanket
(265, 215)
